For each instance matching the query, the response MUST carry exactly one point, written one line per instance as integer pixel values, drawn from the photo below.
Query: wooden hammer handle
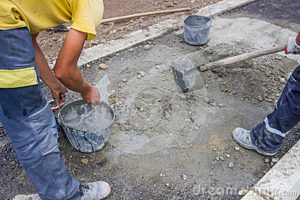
(144, 14)
(242, 57)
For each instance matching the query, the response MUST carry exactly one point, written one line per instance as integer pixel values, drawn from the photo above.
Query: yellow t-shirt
(39, 15)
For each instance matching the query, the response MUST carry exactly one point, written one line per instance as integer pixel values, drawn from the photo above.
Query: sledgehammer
(189, 79)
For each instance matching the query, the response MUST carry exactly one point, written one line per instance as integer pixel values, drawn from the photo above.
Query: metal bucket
(85, 140)
(196, 29)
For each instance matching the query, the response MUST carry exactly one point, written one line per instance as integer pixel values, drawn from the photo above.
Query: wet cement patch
(166, 144)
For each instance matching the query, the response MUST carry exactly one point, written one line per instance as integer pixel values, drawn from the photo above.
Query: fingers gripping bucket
(83, 140)
(196, 29)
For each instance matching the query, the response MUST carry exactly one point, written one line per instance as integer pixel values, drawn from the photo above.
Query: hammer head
(186, 77)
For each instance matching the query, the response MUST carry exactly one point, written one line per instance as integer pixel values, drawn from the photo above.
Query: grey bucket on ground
(196, 29)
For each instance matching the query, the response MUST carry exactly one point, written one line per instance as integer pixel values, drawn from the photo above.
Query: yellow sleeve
(86, 16)
(10, 16)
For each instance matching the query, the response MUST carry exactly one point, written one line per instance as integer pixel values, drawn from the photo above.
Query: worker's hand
(292, 46)
(91, 96)
(59, 93)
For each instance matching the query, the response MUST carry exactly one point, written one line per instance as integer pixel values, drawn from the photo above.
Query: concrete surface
(169, 135)
(282, 181)
(166, 145)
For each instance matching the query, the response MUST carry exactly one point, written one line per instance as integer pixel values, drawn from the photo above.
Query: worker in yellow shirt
(25, 114)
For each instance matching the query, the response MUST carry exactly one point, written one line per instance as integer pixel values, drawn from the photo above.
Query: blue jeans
(30, 123)
(270, 134)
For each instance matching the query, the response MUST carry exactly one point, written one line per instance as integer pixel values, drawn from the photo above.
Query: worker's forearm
(66, 65)
(73, 80)
(46, 73)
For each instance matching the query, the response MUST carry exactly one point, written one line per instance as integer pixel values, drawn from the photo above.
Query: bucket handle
(53, 108)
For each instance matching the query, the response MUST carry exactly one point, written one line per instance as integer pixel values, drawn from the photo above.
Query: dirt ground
(51, 42)
(169, 145)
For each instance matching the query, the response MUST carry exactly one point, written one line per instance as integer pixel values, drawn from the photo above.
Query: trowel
(189, 78)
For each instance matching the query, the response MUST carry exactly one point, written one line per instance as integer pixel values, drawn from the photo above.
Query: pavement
(282, 13)
(169, 145)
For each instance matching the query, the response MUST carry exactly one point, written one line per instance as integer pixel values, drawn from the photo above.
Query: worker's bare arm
(66, 69)
(57, 88)
(298, 39)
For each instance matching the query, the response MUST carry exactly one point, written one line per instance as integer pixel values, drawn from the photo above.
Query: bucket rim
(81, 100)
(206, 17)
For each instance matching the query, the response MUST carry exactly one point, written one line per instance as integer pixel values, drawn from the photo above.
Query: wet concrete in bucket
(85, 117)
(168, 145)
(87, 127)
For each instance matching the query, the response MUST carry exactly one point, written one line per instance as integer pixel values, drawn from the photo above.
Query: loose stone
(147, 47)
(84, 161)
(259, 98)
(141, 73)
(103, 66)
(242, 192)
(184, 177)
(282, 80)
(237, 148)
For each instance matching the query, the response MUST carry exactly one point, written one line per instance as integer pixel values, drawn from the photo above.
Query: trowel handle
(242, 57)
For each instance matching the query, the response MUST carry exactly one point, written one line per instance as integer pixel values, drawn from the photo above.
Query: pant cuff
(273, 130)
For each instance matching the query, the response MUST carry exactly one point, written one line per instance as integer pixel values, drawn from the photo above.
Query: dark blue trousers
(30, 123)
(270, 134)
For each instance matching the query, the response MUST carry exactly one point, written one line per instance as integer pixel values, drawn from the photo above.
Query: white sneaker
(242, 137)
(94, 191)
(89, 191)
(27, 197)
